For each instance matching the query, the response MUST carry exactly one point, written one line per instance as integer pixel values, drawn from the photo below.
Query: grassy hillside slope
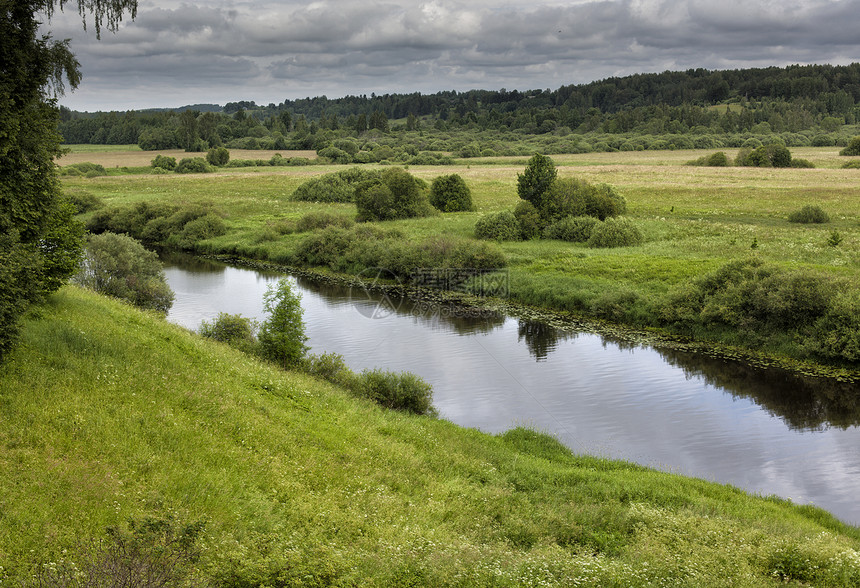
(109, 414)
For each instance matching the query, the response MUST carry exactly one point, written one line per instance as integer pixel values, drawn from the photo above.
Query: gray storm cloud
(218, 51)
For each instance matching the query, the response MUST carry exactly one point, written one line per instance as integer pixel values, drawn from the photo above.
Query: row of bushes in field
(367, 246)
(161, 224)
(388, 194)
(770, 155)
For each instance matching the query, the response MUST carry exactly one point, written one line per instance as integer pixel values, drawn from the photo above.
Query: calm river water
(761, 430)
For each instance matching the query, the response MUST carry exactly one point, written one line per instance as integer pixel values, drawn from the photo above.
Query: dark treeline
(795, 99)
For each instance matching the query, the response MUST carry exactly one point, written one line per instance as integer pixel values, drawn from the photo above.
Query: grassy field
(695, 220)
(108, 415)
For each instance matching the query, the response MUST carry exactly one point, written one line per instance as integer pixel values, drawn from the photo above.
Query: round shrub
(119, 266)
(615, 232)
(218, 156)
(395, 194)
(335, 155)
(851, 165)
(499, 226)
(399, 391)
(576, 229)
(233, 329)
(164, 162)
(320, 220)
(801, 163)
(451, 194)
(529, 219)
(192, 165)
(853, 147)
(809, 214)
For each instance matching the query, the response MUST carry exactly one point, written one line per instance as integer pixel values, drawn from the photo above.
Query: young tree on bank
(40, 243)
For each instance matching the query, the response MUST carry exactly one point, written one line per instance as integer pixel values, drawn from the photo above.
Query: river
(765, 431)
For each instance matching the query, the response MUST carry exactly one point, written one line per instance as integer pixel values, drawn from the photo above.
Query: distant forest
(802, 105)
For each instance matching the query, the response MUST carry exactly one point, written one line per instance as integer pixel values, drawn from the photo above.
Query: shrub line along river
(766, 431)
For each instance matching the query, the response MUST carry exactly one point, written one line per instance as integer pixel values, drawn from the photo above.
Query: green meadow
(115, 419)
(695, 220)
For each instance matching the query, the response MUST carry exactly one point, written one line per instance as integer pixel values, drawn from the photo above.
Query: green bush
(572, 197)
(234, 329)
(193, 165)
(164, 162)
(204, 227)
(853, 147)
(799, 163)
(320, 220)
(851, 165)
(399, 391)
(87, 169)
(718, 159)
(83, 201)
(615, 232)
(450, 194)
(809, 214)
(771, 155)
(335, 155)
(218, 156)
(499, 226)
(529, 219)
(576, 229)
(752, 297)
(837, 333)
(330, 367)
(282, 335)
(119, 266)
(538, 176)
(395, 194)
(334, 187)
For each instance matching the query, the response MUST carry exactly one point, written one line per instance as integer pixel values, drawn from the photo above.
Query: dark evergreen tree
(40, 244)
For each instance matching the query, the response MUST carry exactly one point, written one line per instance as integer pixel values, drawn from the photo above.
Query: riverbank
(109, 414)
(695, 222)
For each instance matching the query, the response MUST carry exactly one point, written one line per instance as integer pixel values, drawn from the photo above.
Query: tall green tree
(40, 243)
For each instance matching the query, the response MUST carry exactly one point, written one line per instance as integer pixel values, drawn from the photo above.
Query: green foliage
(853, 147)
(335, 155)
(87, 169)
(718, 159)
(851, 165)
(192, 165)
(836, 336)
(398, 391)
(498, 226)
(234, 329)
(334, 187)
(799, 163)
(367, 246)
(809, 214)
(451, 194)
(330, 367)
(529, 220)
(615, 232)
(322, 219)
(539, 174)
(572, 197)
(119, 266)
(576, 229)
(282, 335)
(835, 239)
(752, 297)
(164, 162)
(770, 155)
(39, 240)
(83, 201)
(161, 225)
(218, 156)
(395, 194)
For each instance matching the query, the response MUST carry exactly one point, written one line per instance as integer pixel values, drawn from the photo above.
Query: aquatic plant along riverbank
(110, 414)
(696, 222)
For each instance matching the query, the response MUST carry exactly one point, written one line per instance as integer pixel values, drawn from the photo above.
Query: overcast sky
(218, 51)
